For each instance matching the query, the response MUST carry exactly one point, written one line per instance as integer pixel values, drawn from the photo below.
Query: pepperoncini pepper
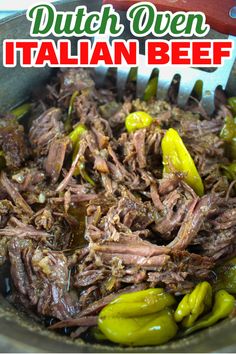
(176, 157)
(232, 149)
(194, 304)
(232, 104)
(75, 136)
(228, 134)
(140, 318)
(229, 171)
(133, 74)
(223, 306)
(229, 129)
(137, 120)
(198, 88)
(82, 171)
(21, 111)
(151, 89)
(68, 124)
(97, 334)
(226, 276)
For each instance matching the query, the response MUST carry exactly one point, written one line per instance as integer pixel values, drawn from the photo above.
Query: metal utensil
(221, 16)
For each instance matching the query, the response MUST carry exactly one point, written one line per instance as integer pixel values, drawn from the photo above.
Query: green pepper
(151, 89)
(84, 174)
(21, 111)
(80, 168)
(223, 306)
(75, 135)
(133, 74)
(229, 129)
(228, 134)
(97, 334)
(75, 152)
(198, 88)
(177, 158)
(137, 120)
(226, 276)
(232, 149)
(229, 171)
(68, 124)
(140, 318)
(232, 104)
(194, 304)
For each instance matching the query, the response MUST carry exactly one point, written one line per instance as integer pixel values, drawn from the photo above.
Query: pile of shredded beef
(72, 247)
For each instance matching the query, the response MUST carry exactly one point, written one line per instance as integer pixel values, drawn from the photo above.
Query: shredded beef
(76, 240)
(42, 277)
(15, 196)
(12, 142)
(56, 157)
(44, 129)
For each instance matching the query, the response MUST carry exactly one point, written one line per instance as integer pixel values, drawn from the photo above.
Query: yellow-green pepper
(97, 334)
(151, 89)
(226, 276)
(133, 74)
(194, 304)
(232, 104)
(228, 134)
(21, 111)
(232, 149)
(75, 135)
(229, 171)
(137, 120)
(177, 158)
(223, 306)
(228, 131)
(140, 318)
(84, 174)
(198, 88)
(68, 124)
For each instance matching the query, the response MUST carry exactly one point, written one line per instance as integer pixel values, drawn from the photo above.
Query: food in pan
(118, 217)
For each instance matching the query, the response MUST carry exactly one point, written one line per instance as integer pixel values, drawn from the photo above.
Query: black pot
(18, 332)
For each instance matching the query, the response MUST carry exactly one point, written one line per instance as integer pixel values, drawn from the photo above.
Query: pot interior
(20, 332)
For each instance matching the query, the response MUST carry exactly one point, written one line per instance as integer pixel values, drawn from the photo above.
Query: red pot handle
(216, 11)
